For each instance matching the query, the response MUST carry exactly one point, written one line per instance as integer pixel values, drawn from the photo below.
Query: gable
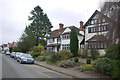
(67, 30)
(96, 18)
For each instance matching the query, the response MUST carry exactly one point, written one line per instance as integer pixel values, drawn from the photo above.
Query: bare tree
(112, 11)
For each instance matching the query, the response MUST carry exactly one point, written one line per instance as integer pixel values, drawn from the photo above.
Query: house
(5, 48)
(96, 29)
(60, 38)
(13, 44)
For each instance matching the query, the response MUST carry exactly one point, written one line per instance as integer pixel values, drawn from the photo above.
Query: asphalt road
(12, 69)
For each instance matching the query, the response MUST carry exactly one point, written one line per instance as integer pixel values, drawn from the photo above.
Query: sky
(14, 14)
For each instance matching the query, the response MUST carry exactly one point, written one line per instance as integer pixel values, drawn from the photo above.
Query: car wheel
(17, 60)
(32, 62)
(20, 62)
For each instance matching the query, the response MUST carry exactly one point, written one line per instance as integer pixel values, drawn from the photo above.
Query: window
(97, 29)
(103, 20)
(51, 40)
(92, 22)
(66, 36)
(65, 46)
(101, 45)
(50, 48)
(95, 21)
(105, 27)
(58, 39)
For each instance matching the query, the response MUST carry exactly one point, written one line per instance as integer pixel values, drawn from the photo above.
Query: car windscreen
(27, 55)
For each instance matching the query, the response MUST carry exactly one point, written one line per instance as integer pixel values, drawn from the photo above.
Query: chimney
(81, 25)
(61, 26)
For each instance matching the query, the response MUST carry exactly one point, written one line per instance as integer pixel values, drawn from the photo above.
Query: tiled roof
(12, 44)
(56, 33)
(97, 38)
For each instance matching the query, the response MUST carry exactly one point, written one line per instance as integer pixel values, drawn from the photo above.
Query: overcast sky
(14, 14)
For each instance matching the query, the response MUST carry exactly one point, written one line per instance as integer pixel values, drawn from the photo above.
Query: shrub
(103, 65)
(64, 54)
(38, 48)
(86, 67)
(66, 63)
(76, 59)
(88, 61)
(47, 53)
(53, 58)
(40, 58)
(47, 58)
(94, 53)
(115, 64)
(85, 53)
(35, 54)
(100, 56)
(113, 52)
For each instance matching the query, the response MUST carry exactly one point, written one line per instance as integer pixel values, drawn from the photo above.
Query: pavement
(67, 71)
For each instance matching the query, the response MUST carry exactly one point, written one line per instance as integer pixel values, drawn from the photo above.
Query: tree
(112, 10)
(36, 32)
(26, 42)
(40, 24)
(74, 42)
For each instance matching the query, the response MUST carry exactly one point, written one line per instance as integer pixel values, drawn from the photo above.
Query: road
(12, 69)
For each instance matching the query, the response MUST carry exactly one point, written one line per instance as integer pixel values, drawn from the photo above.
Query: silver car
(18, 54)
(26, 58)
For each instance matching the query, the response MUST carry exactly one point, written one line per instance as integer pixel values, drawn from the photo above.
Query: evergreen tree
(74, 42)
(26, 42)
(35, 33)
(40, 24)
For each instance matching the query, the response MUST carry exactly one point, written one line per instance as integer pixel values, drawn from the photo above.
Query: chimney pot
(61, 26)
(81, 25)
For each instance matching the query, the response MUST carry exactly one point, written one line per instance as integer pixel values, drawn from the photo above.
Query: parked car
(12, 55)
(26, 58)
(17, 55)
(7, 53)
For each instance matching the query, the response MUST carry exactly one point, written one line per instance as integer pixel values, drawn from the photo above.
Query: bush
(113, 52)
(115, 64)
(86, 67)
(38, 48)
(64, 54)
(53, 58)
(85, 53)
(76, 59)
(100, 56)
(47, 58)
(88, 61)
(66, 63)
(47, 53)
(35, 54)
(40, 58)
(94, 53)
(103, 65)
